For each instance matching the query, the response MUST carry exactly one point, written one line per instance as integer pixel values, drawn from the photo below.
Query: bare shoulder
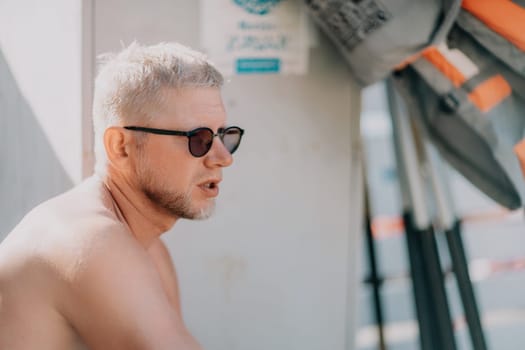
(89, 268)
(100, 279)
(60, 239)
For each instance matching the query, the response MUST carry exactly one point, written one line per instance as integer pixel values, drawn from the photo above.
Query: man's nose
(218, 155)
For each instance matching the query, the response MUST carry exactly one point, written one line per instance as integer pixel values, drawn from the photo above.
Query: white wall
(275, 267)
(40, 97)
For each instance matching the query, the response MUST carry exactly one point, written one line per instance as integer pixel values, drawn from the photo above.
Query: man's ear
(117, 143)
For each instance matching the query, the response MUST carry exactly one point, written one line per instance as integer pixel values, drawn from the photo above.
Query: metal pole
(433, 309)
(373, 276)
(423, 302)
(436, 283)
(417, 271)
(466, 291)
(451, 225)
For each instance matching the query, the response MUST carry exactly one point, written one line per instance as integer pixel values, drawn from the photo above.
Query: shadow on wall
(30, 171)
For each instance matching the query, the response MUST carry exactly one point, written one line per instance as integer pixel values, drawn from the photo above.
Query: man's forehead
(193, 107)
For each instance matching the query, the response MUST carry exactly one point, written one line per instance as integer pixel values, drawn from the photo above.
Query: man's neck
(146, 222)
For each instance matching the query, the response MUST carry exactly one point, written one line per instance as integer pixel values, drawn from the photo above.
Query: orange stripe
(519, 149)
(444, 66)
(490, 93)
(412, 58)
(502, 16)
(384, 227)
(391, 226)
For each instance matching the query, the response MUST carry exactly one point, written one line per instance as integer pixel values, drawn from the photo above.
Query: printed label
(252, 37)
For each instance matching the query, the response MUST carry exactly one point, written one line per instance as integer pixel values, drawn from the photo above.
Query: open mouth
(210, 188)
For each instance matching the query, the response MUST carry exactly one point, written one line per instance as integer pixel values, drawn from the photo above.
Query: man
(88, 268)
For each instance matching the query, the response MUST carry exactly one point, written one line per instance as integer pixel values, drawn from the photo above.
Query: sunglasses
(201, 139)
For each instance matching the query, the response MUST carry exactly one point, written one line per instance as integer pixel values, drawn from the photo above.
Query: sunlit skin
(88, 268)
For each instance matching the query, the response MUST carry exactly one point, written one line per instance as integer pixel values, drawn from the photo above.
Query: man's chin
(200, 213)
(205, 213)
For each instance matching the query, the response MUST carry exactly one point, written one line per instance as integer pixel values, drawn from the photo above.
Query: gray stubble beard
(175, 203)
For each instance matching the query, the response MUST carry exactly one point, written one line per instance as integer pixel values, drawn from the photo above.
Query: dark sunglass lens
(200, 142)
(231, 138)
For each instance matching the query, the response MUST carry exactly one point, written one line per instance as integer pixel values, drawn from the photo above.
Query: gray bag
(468, 95)
(477, 137)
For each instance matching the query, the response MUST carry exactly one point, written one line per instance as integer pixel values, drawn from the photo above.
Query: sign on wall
(255, 36)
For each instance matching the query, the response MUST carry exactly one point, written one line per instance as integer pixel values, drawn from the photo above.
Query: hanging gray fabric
(376, 36)
(474, 128)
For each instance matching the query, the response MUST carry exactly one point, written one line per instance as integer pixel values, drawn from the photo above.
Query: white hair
(130, 85)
